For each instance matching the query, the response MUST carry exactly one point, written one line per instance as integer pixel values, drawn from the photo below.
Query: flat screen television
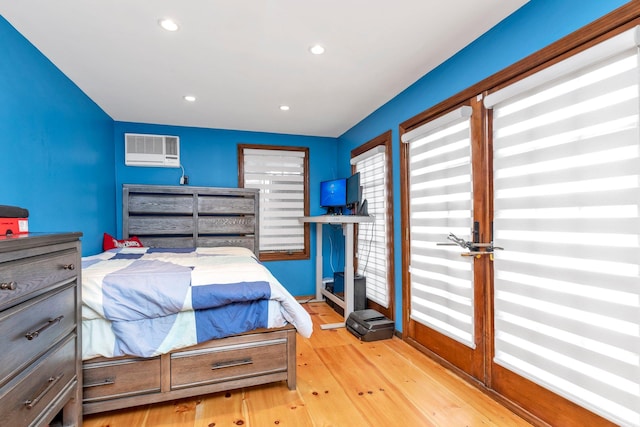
(333, 195)
(354, 191)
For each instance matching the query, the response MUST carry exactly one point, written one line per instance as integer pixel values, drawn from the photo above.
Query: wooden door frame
(470, 361)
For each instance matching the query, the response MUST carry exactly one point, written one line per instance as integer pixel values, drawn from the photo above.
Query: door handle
(474, 248)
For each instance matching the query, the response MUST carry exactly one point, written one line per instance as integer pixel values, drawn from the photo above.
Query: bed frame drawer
(114, 378)
(226, 362)
(187, 372)
(30, 329)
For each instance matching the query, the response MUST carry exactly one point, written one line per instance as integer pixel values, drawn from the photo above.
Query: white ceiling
(242, 59)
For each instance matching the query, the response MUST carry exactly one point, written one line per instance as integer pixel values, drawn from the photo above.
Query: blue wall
(209, 157)
(56, 145)
(529, 29)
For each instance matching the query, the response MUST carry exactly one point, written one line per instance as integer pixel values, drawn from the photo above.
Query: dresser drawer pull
(8, 286)
(69, 266)
(50, 323)
(106, 381)
(231, 363)
(50, 383)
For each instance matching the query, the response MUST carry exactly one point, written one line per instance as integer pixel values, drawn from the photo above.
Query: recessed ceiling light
(316, 49)
(168, 24)
(189, 98)
(284, 107)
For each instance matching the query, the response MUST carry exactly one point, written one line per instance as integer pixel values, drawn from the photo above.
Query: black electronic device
(359, 289)
(369, 325)
(354, 192)
(363, 210)
(333, 195)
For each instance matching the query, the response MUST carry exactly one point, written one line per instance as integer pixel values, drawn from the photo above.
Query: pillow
(110, 242)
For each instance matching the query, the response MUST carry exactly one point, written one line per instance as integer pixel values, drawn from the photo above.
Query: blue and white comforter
(149, 301)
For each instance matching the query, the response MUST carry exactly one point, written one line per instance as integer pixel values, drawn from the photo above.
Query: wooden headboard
(186, 217)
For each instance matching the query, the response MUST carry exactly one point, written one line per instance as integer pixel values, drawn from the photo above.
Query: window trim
(277, 255)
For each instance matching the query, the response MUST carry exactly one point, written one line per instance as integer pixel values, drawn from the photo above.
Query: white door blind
(440, 192)
(567, 212)
(279, 175)
(373, 258)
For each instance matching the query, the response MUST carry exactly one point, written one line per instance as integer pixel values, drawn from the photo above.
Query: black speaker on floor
(359, 289)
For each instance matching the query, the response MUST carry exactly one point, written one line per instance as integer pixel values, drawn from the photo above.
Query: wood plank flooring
(341, 382)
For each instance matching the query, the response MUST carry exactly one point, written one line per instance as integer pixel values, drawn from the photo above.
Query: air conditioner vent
(152, 150)
(171, 145)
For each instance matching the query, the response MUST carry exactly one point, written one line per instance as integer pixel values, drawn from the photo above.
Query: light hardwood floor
(341, 382)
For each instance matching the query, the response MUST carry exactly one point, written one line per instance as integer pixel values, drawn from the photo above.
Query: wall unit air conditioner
(151, 150)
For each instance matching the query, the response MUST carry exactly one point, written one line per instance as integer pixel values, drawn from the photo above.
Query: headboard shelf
(179, 217)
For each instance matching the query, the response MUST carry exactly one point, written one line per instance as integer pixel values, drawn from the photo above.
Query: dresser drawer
(27, 277)
(221, 362)
(31, 328)
(111, 378)
(25, 397)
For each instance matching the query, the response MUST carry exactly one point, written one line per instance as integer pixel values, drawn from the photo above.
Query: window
(281, 175)
(373, 239)
(566, 209)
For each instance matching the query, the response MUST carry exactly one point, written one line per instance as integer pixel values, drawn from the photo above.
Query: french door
(566, 302)
(548, 167)
(446, 206)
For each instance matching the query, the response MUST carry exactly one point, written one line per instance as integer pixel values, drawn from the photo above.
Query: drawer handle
(106, 381)
(50, 383)
(50, 323)
(8, 286)
(231, 363)
(69, 266)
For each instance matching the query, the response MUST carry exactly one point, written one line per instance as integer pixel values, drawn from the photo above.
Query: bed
(193, 311)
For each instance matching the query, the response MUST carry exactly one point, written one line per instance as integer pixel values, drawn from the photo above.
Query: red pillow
(110, 242)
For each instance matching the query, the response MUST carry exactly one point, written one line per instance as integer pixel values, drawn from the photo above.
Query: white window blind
(279, 175)
(567, 212)
(373, 257)
(440, 191)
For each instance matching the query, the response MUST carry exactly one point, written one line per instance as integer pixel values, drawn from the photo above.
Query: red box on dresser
(13, 226)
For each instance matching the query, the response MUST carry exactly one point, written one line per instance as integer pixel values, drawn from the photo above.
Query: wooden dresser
(40, 349)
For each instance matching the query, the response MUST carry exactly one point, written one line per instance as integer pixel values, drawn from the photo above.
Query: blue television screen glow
(333, 193)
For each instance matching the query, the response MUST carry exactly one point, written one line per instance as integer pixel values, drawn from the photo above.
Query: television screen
(333, 193)
(353, 189)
